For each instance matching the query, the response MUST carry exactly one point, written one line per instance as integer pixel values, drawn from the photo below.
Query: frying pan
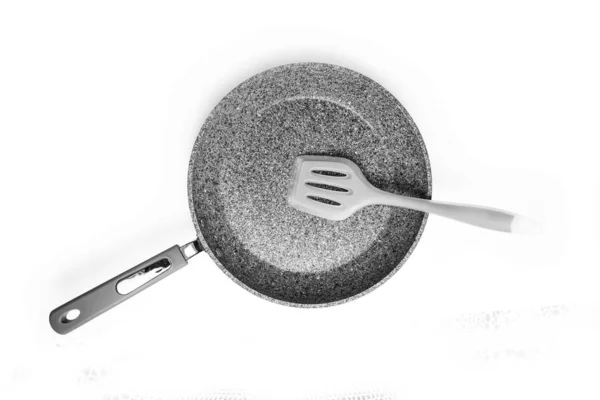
(238, 179)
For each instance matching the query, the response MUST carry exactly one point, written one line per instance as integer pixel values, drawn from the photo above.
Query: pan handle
(105, 296)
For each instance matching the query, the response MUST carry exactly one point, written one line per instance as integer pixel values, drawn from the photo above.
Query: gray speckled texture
(240, 171)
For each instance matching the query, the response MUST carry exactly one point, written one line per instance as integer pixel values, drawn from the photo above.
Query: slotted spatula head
(328, 187)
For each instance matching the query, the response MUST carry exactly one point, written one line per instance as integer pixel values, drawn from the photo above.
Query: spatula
(334, 188)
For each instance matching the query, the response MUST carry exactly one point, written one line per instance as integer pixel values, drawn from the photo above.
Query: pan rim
(207, 248)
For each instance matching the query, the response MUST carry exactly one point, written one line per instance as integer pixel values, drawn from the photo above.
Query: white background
(100, 103)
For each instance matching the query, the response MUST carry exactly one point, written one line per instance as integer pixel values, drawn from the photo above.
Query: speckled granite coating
(240, 171)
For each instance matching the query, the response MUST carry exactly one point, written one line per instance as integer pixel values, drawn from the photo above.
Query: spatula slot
(327, 187)
(324, 201)
(325, 172)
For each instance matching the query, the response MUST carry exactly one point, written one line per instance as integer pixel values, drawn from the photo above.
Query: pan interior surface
(241, 169)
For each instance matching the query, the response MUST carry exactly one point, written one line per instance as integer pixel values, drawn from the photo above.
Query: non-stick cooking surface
(240, 172)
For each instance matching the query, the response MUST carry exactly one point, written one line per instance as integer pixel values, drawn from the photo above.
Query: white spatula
(334, 188)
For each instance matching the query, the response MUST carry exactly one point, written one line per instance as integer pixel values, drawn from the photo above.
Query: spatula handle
(483, 217)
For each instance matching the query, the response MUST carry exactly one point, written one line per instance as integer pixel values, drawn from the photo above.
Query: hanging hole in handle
(70, 316)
